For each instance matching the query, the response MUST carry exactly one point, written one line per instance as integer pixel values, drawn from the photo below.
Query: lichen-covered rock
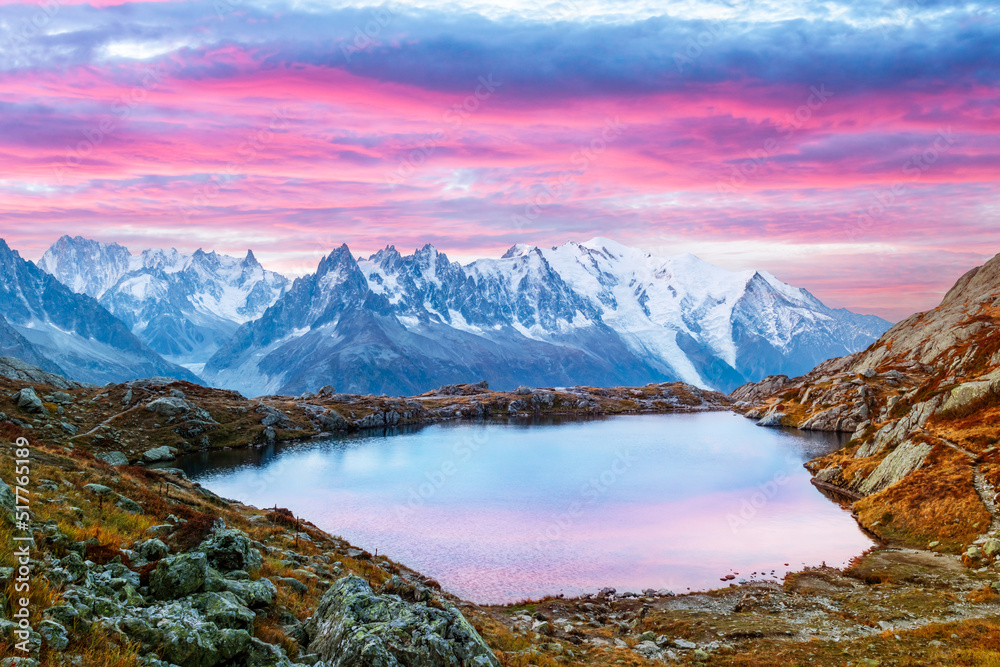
(169, 406)
(294, 584)
(113, 458)
(54, 634)
(180, 634)
(262, 654)
(28, 400)
(355, 627)
(898, 464)
(224, 609)
(152, 549)
(7, 501)
(230, 549)
(157, 454)
(178, 576)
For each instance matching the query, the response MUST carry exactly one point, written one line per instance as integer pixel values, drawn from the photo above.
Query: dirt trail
(986, 492)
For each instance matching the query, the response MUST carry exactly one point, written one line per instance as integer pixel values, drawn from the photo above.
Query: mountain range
(596, 313)
(46, 324)
(182, 306)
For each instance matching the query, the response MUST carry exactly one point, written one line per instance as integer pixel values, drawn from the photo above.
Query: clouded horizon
(848, 148)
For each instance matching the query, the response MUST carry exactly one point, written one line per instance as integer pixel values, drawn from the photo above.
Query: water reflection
(504, 511)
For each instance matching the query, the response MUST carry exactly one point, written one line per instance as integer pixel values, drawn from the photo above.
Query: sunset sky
(852, 148)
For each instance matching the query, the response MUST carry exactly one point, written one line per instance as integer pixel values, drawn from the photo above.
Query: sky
(848, 147)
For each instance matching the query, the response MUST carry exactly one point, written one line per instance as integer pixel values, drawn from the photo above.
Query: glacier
(595, 313)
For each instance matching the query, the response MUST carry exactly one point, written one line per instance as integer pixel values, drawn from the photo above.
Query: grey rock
(169, 406)
(152, 549)
(230, 549)
(54, 634)
(225, 610)
(294, 584)
(179, 576)
(157, 454)
(355, 627)
(61, 398)
(113, 458)
(28, 400)
(99, 489)
(903, 460)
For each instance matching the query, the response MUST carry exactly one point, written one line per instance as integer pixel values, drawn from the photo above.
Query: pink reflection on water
(697, 507)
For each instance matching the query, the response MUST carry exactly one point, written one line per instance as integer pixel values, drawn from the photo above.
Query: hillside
(923, 405)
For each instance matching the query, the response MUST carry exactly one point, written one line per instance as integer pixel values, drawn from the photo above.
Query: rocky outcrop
(17, 369)
(355, 627)
(28, 400)
(903, 460)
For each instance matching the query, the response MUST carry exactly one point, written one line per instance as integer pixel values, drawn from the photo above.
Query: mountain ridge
(541, 315)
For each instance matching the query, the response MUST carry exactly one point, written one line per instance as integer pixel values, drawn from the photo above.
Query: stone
(230, 549)
(523, 390)
(991, 547)
(64, 614)
(113, 458)
(180, 635)
(700, 655)
(54, 634)
(262, 654)
(99, 489)
(152, 549)
(355, 627)
(156, 454)
(169, 406)
(225, 610)
(28, 400)
(773, 419)
(179, 576)
(129, 505)
(8, 502)
(903, 460)
(61, 398)
(294, 584)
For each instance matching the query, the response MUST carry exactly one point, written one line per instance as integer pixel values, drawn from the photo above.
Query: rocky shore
(139, 566)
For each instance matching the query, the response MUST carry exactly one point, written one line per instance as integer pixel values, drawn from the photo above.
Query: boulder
(169, 406)
(8, 501)
(152, 549)
(991, 547)
(903, 460)
(294, 584)
(61, 398)
(180, 634)
(179, 576)
(229, 549)
(225, 610)
(157, 454)
(28, 400)
(54, 634)
(113, 458)
(129, 505)
(355, 627)
(99, 489)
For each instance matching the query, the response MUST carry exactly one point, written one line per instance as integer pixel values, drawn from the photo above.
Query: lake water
(501, 512)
